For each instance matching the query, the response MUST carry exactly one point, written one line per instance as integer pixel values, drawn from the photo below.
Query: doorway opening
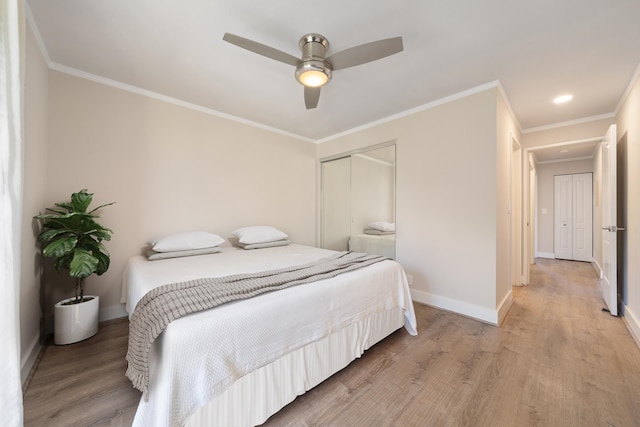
(540, 165)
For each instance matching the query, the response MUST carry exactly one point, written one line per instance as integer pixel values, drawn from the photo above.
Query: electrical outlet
(410, 279)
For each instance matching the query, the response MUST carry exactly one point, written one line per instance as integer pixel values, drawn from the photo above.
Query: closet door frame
(321, 212)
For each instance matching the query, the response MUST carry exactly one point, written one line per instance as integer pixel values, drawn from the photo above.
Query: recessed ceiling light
(562, 99)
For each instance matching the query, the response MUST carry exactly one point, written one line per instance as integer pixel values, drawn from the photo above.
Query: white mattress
(201, 355)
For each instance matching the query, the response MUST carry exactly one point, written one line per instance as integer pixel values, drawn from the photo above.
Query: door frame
(608, 278)
(361, 150)
(530, 244)
(515, 212)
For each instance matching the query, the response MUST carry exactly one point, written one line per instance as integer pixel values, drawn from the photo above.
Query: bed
(241, 362)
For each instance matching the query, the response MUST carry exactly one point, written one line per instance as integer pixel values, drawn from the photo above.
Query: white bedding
(200, 355)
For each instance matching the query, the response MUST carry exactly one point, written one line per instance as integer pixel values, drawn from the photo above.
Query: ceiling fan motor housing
(314, 47)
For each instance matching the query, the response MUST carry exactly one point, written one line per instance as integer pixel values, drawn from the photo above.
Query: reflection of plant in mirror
(73, 237)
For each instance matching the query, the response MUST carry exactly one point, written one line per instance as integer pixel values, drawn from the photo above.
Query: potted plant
(73, 238)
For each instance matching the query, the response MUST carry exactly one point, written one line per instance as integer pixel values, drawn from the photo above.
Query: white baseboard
(463, 308)
(597, 268)
(633, 325)
(112, 312)
(505, 306)
(29, 359)
(549, 255)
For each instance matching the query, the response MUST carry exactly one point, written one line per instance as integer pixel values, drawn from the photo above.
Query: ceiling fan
(314, 69)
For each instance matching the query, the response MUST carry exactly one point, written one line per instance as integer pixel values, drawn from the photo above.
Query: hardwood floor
(83, 384)
(558, 360)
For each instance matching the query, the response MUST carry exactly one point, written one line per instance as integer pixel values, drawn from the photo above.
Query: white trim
(508, 104)
(549, 255)
(632, 323)
(504, 306)
(37, 35)
(571, 159)
(373, 159)
(570, 122)
(144, 92)
(523, 281)
(562, 143)
(427, 106)
(533, 149)
(29, 358)
(459, 307)
(139, 91)
(596, 267)
(113, 312)
(632, 82)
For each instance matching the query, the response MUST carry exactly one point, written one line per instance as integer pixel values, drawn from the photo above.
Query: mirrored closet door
(358, 201)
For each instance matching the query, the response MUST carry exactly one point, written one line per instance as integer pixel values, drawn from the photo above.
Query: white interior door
(573, 216)
(582, 232)
(563, 216)
(608, 283)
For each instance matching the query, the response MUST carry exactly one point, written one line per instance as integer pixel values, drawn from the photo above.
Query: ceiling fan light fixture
(313, 73)
(314, 67)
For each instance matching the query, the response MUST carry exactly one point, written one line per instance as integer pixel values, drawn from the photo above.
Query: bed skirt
(252, 399)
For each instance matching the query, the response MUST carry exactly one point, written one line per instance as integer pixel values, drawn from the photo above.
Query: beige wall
(546, 172)
(34, 195)
(629, 127)
(169, 169)
(445, 200)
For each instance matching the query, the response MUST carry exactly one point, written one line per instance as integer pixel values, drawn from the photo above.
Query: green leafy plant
(73, 238)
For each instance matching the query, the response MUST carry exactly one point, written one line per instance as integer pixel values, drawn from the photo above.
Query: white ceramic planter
(75, 322)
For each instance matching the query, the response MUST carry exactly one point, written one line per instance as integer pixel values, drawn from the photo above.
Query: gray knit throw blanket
(169, 302)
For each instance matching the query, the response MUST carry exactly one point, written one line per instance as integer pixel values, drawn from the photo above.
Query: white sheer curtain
(10, 210)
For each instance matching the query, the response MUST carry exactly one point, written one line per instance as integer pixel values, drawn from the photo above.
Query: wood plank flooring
(558, 360)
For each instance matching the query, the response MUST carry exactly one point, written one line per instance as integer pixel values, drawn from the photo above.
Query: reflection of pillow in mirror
(186, 241)
(258, 234)
(264, 245)
(375, 232)
(382, 226)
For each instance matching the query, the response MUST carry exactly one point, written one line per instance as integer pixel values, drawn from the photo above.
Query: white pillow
(263, 245)
(383, 226)
(258, 234)
(153, 255)
(186, 241)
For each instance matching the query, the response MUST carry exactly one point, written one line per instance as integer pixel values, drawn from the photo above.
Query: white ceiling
(566, 152)
(535, 49)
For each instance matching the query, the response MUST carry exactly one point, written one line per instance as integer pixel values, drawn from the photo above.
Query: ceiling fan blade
(365, 53)
(261, 49)
(311, 97)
